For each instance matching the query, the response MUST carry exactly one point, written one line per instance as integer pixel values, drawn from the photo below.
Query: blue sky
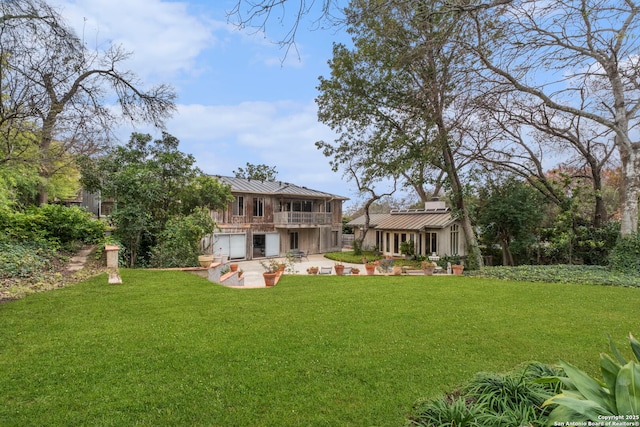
(240, 98)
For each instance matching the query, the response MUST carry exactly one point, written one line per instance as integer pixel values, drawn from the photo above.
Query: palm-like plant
(584, 398)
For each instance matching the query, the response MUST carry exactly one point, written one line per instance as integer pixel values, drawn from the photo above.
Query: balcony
(302, 218)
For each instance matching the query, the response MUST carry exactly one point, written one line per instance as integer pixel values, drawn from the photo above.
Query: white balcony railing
(302, 218)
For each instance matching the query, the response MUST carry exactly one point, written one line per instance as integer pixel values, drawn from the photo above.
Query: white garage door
(235, 245)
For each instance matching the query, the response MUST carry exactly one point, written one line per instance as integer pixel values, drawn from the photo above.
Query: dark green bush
(54, 224)
(70, 224)
(593, 245)
(625, 256)
(179, 242)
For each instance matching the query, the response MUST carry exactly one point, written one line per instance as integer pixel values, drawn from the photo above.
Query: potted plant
(339, 267)
(370, 267)
(233, 266)
(428, 267)
(385, 265)
(240, 272)
(313, 270)
(407, 249)
(271, 271)
(355, 271)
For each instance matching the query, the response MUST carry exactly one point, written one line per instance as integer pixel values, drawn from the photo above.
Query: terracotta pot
(371, 269)
(269, 278)
(312, 270)
(396, 270)
(339, 269)
(457, 269)
(355, 271)
(233, 267)
(429, 271)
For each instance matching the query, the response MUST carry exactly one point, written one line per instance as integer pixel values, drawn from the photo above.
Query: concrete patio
(252, 270)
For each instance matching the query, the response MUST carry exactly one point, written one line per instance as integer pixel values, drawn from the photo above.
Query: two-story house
(271, 218)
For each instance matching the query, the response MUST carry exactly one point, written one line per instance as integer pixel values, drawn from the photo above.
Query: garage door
(235, 245)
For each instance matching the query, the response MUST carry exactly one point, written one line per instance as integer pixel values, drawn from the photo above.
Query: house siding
(296, 214)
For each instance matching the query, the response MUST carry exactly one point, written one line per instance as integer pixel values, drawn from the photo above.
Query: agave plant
(584, 398)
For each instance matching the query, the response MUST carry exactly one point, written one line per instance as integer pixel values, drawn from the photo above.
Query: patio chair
(325, 270)
(303, 254)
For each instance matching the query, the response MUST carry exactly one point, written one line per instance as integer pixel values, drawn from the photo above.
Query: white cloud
(164, 38)
(176, 44)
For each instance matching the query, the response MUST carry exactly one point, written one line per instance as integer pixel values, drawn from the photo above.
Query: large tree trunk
(473, 250)
(630, 189)
(507, 256)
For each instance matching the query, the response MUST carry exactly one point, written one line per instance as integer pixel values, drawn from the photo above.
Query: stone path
(78, 260)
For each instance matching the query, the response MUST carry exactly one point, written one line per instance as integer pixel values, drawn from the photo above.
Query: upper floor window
(298, 206)
(327, 207)
(238, 206)
(258, 206)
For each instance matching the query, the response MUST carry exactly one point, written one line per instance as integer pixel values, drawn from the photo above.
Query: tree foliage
(399, 98)
(510, 213)
(257, 172)
(55, 88)
(577, 59)
(151, 183)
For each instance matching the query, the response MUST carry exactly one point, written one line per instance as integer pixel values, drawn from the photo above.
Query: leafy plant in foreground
(584, 398)
(490, 399)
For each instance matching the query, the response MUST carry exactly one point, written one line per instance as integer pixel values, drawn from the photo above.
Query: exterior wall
(443, 241)
(316, 231)
(371, 239)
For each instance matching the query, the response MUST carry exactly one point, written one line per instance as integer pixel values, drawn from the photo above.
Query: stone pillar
(112, 264)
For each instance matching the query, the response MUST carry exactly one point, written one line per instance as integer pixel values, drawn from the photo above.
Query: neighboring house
(271, 218)
(432, 230)
(92, 202)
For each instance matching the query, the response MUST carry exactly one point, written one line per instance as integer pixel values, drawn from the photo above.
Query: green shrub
(55, 224)
(625, 255)
(489, 399)
(179, 243)
(446, 412)
(70, 224)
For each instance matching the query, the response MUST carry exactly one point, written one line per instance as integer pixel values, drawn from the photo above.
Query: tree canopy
(151, 183)
(54, 90)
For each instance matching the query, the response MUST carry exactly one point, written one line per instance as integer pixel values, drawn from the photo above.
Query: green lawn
(169, 348)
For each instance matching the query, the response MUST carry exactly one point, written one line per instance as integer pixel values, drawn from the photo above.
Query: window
(238, 206)
(293, 240)
(327, 207)
(258, 206)
(455, 236)
(298, 206)
(431, 243)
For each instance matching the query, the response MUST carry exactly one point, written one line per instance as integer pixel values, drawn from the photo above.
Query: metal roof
(416, 219)
(252, 186)
(374, 219)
